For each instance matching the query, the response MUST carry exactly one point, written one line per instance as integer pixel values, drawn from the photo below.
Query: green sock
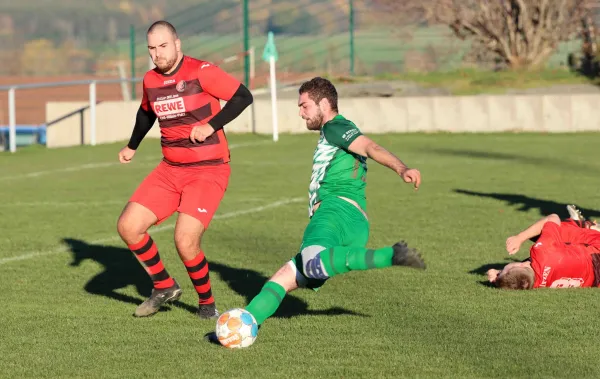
(266, 302)
(342, 259)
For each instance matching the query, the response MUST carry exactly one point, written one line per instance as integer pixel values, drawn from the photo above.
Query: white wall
(539, 113)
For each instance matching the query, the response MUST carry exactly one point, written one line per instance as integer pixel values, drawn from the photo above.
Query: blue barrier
(26, 135)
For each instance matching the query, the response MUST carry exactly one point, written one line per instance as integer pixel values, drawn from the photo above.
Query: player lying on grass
(334, 240)
(566, 254)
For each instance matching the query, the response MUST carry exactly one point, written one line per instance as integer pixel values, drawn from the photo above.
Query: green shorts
(336, 223)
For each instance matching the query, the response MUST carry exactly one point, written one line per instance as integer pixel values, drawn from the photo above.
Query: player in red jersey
(566, 255)
(183, 93)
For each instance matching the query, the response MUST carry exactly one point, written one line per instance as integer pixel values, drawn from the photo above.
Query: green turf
(475, 82)
(67, 303)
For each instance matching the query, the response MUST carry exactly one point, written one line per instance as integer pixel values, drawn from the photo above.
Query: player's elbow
(244, 96)
(371, 149)
(248, 98)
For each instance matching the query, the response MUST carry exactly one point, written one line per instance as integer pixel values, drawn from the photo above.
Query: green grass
(67, 305)
(472, 82)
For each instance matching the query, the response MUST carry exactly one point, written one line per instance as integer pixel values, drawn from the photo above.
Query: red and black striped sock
(147, 253)
(198, 271)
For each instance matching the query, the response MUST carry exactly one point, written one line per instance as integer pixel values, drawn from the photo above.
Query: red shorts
(195, 191)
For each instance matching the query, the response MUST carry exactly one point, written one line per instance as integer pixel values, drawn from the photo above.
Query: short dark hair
(163, 24)
(517, 278)
(318, 89)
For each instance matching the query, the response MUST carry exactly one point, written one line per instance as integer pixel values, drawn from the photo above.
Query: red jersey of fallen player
(188, 97)
(566, 256)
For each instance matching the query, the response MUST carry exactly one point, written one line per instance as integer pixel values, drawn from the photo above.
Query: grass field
(69, 287)
(474, 82)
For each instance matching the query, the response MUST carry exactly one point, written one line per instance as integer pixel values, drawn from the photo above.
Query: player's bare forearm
(365, 147)
(385, 158)
(535, 229)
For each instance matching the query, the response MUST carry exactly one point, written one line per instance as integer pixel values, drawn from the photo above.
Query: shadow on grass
(525, 203)
(121, 269)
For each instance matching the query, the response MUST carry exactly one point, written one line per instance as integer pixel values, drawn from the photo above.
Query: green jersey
(337, 171)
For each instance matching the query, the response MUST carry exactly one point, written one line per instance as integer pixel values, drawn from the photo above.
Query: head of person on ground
(514, 276)
(561, 257)
(164, 46)
(318, 102)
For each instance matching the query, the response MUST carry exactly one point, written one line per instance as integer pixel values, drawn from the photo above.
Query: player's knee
(286, 277)
(554, 218)
(312, 265)
(128, 230)
(134, 222)
(187, 243)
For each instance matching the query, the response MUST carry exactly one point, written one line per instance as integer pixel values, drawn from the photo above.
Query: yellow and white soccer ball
(236, 328)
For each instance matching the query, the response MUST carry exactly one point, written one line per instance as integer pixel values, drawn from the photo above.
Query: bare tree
(523, 33)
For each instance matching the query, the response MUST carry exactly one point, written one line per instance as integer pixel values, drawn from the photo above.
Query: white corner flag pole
(274, 98)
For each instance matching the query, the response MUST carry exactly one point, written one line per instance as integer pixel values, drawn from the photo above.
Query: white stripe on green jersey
(337, 171)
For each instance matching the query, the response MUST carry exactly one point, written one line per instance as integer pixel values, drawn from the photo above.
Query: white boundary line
(31, 204)
(161, 228)
(88, 166)
(85, 203)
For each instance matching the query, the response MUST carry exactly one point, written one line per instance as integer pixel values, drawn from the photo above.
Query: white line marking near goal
(160, 228)
(88, 166)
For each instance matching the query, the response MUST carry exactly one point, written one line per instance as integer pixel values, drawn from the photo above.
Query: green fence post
(132, 57)
(351, 19)
(246, 44)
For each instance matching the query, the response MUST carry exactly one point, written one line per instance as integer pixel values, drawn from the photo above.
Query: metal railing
(12, 111)
(250, 53)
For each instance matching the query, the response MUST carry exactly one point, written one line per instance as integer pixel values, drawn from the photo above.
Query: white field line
(89, 166)
(49, 204)
(86, 203)
(81, 203)
(161, 228)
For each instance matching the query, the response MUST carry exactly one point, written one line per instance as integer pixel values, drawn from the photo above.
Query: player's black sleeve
(240, 100)
(143, 123)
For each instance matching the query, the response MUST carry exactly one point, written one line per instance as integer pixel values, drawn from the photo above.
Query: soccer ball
(236, 328)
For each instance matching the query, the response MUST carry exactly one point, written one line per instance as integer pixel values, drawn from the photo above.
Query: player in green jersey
(334, 240)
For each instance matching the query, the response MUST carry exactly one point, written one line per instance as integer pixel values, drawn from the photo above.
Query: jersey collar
(337, 117)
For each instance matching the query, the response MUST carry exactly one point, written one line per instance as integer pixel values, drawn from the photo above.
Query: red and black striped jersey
(188, 97)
